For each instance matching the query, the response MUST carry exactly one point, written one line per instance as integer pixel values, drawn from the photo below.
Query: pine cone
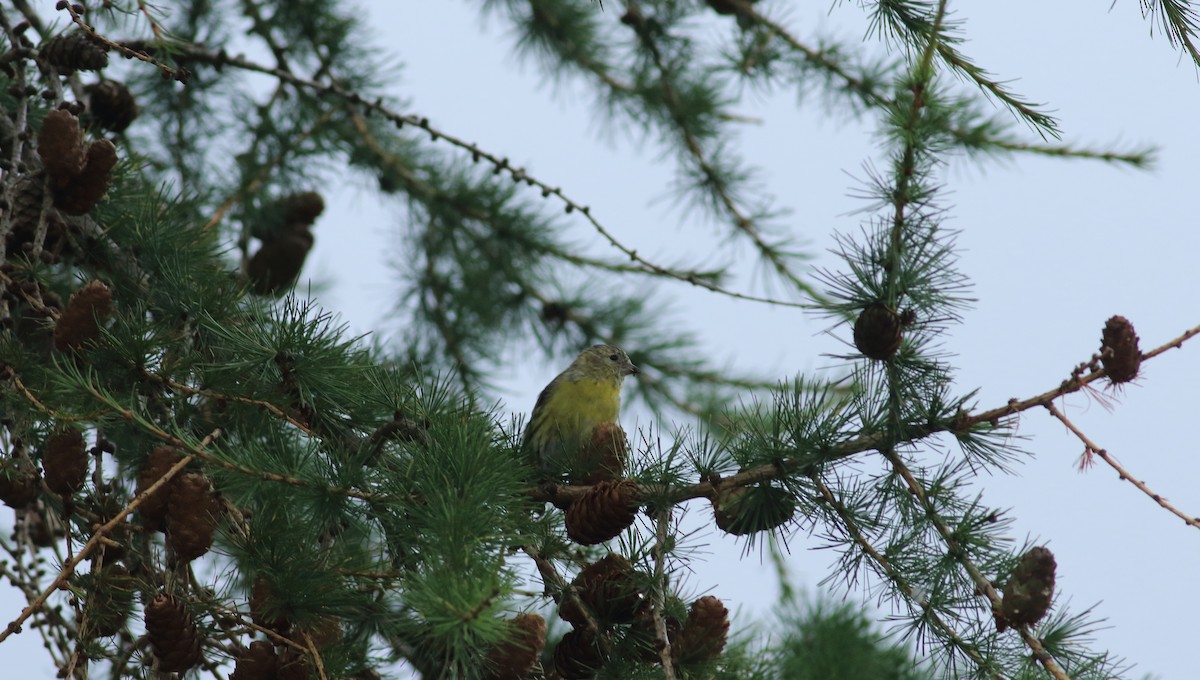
(27, 204)
(609, 588)
(263, 609)
(72, 52)
(301, 208)
(60, 145)
(746, 510)
(1029, 590)
(514, 659)
(877, 332)
(577, 656)
(18, 482)
(704, 633)
(172, 633)
(277, 264)
(1119, 351)
(603, 457)
(65, 462)
(607, 509)
(79, 322)
(259, 662)
(153, 509)
(110, 601)
(112, 105)
(192, 515)
(86, 190)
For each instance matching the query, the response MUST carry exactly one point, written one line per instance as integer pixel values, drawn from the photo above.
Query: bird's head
(604, 361)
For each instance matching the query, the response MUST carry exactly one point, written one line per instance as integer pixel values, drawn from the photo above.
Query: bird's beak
(633, 370)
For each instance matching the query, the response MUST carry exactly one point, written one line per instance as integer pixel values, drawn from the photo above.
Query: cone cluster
(1029, 591)
(277, 264)
(172, 633)
(193, 512)
(607, 509)
(1119, 352)
(79, 323)
(603, 457)
(78, 173)
(704, 634)
(515, 658)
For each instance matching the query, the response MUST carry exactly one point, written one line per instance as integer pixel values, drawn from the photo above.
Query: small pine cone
(263, 609)
(27, 205)
(192, 514)
(1119, 351)
(514, 658)
(704, 633)
(79, 323)
(746, 510)
(607, 509)
(301, 208)
(60, 145)
(609, 588)
(172, 633)
(72, 52)
(86, 190)
(110, 601)
(877, 332)
(277, 264)
(577, 656)
(153, 509)
(603, 457)
(65, 461)
(1029, 590)
(259, 662)
(18, 482)
(112, 105)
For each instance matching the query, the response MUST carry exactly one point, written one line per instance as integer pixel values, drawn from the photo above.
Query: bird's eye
(612, 357)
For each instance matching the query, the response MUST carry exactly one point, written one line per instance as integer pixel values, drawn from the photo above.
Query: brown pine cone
(111, 104)
(277, 264)
(71, 52)
(192, 515)
(607, 509)
(301, 208)
(18, 481)
(263, 610)
(26, 202)
(259, 662)
(609, 587)
(878, 332)
(172, 633)
(704, 633)
(577, 656)
(79, 323)
(153, 509)
(60, 145)
(1029, 590)
(603, 457)
(1119, 351)
(85, 191)
(746, 510)
(514, 658)
(65, 462)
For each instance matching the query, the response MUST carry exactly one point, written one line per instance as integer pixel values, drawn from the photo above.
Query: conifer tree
(208, 475)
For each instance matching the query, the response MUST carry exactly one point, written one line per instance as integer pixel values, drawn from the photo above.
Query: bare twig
(1092, 448)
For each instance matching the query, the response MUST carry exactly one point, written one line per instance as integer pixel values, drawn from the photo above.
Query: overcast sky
(1053, 248)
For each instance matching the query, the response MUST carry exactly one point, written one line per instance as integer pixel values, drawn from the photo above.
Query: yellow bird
(585, 395)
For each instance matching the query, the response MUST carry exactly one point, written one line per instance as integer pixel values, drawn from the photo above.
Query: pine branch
(1179, 20)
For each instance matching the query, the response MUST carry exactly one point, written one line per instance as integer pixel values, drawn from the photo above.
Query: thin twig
(1092, 448)
(662, 639)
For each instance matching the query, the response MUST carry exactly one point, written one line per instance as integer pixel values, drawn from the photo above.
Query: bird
(585, 395)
